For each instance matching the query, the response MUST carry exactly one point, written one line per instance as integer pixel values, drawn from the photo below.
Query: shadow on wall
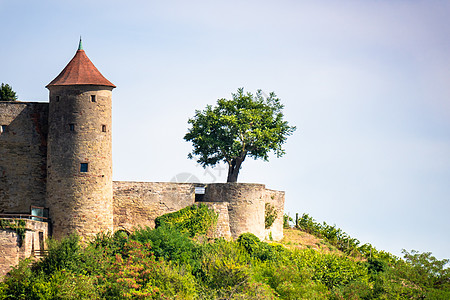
(23, 155)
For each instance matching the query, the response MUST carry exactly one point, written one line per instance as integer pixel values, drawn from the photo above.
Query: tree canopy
(247, 125)
(7, 93)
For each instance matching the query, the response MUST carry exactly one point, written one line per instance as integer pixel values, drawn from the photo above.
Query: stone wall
(275, 199)
(23, 155)
(33, 244)
(245, 206)
(223, 221)
(139, 203)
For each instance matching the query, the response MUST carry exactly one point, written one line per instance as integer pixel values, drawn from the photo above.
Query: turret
(79, 158)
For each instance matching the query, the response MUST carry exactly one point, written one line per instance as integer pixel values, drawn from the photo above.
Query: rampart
(23, 155)
(139, 203)
(245, 206)
(241, 206)
(13, 249)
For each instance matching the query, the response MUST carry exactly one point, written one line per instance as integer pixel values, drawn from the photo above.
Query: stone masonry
(23, 155)
(56, 157)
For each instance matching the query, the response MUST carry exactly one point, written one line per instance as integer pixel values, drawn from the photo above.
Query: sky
(366, 83)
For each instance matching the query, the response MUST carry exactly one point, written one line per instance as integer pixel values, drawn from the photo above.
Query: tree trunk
(234, 168)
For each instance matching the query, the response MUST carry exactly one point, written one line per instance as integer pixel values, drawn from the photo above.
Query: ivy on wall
(192, 220)
(19, 226)
(270, 216)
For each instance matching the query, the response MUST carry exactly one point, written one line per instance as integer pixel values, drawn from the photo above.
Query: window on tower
(93, 98)
(83, 167)
(72, 127)
(103, 128)
(3, 128)
(57, 98)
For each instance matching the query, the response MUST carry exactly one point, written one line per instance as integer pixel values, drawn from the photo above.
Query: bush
(64, 254)
(226, 273)
(138, 275)
(168, 243)
(260, 250)
(193, 220)
(331, 269)
(290, 281)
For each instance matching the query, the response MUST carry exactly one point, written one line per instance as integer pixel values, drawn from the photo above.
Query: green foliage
(7, 93)
(64, 254)
(18, 226)
(164, 263)
(286, 220)
(227, 273)
(290, 281)
(168, 243)
(137, 275)
(270, 215)
(193, 220)
(418, 276)
(331, 269)
(341, 240)
(260, 250)
(247, 125)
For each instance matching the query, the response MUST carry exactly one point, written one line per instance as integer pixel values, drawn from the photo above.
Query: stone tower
(79, 161)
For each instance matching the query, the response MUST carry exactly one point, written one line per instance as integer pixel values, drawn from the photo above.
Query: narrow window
(83, 167)
(92, 98)
(3, 128)
(57, 98)
(103, 128)
(72, 127)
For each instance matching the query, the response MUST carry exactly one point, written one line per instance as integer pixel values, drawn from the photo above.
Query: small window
(83, 167)
(103, 128)
(72, 127)
(57, 98)
(3, 128)
(92, 98)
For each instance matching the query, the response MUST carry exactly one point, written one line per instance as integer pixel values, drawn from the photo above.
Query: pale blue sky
(365, 82)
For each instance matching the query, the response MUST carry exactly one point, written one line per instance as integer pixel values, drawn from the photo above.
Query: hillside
(297, 239)
(175, 261)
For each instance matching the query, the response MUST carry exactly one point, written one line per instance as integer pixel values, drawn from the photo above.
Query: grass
(294, 238)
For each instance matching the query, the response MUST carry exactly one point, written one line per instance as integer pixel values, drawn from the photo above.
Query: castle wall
(223, 221)
(245, 206)
(33, 244)
(23, 155)
(139, 203)
(80, 200)
(275, 199)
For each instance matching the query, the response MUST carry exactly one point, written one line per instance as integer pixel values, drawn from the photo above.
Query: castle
(56, 174)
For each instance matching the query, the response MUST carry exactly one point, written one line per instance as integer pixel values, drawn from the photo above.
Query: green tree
(7, 93)
(247, 125)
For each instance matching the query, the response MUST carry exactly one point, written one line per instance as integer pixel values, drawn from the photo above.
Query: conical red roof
(80, 71)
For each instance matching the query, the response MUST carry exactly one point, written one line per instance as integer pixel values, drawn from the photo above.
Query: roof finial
(80, 46)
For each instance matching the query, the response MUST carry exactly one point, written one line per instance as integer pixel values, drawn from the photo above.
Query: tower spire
(80, 46)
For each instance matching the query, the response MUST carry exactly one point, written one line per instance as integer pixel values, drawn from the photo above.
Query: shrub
(138, 275)
(290, 281)
(331, 269)
(168, 243)
(64, 254)
(286, 220)
(260, 250)
(226, 273)
(193, 220)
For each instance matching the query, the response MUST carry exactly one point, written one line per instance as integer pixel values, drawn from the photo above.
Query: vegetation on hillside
(164, 263)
